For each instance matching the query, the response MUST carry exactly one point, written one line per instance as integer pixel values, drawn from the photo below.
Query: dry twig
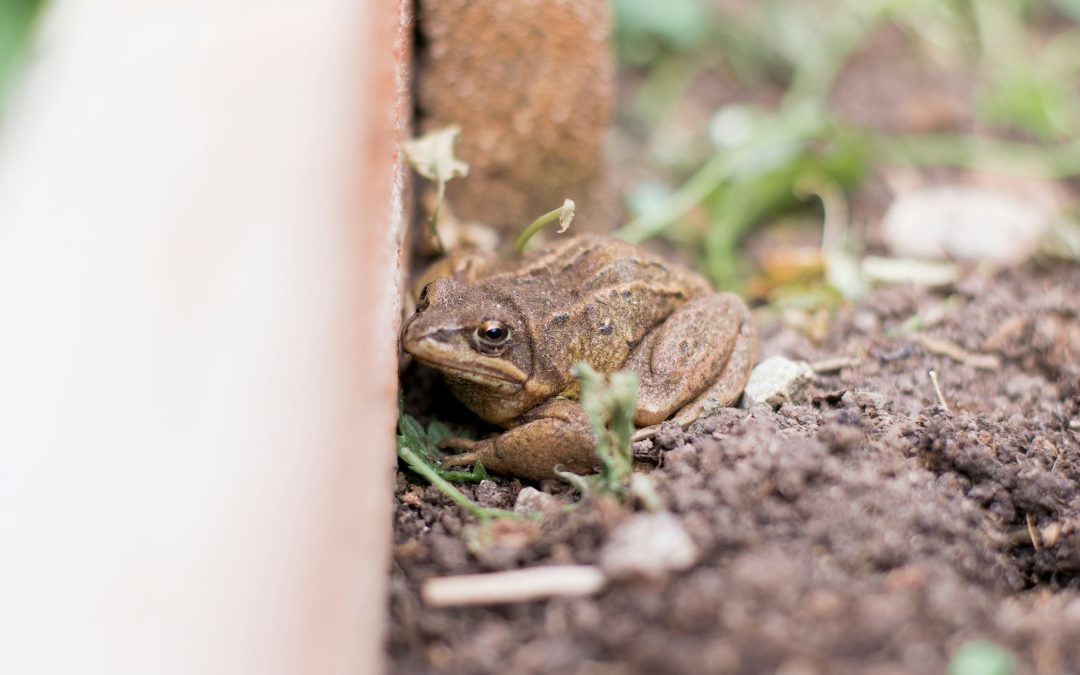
(524, 585)
(937, 390)
(1050, 534)
(951, 350)
(1033, 532)
(835, 364)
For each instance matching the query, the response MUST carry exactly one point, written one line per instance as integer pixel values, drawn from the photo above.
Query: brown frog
(505, 338)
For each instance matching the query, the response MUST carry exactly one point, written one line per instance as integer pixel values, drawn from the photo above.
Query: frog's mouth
(485, 370)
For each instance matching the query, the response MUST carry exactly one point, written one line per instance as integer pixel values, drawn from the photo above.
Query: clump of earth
(867, 526)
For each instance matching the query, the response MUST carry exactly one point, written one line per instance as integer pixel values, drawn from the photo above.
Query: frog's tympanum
(506, 336)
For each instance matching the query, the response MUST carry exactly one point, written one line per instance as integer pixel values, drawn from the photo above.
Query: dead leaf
(432, 155)
(566, 216)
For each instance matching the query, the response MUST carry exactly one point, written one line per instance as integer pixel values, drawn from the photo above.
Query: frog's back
(593, 298)
(578, 265)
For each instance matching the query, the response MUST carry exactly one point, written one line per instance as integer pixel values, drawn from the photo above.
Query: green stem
(694, 191)
(420, 466)
(433, 222)
(663, 88)
(812, 82)
(730, 222)
(1060, 161)
(532, 229)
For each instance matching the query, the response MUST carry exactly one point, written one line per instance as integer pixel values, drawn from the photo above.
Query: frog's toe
(458, 443)
(464, 459)
(645, 433)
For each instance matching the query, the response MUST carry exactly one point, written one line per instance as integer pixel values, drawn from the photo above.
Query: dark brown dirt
(864, 529)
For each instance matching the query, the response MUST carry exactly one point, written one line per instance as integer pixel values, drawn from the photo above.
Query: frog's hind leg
(556, 433)
(691, 356)
(729, 385)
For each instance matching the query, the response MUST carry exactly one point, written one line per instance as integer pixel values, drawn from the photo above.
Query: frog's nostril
(422, 302)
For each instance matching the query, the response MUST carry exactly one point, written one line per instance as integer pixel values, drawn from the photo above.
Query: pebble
(775, 381)
(489, 494)
(648, 546)
(530, 500)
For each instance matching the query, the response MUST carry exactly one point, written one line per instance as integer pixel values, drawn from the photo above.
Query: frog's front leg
(555, 433)
(690, 354)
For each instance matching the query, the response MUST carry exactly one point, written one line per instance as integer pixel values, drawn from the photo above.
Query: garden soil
(864, 528)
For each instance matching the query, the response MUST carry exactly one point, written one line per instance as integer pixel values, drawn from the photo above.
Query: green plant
(432, 156)
(980, 657)
(645, 29)
(762, 154)
(17, 19)
(609, 403)
(564, 213)
(418, 449)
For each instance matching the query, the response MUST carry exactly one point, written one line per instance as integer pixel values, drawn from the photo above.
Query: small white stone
(775, 380)
(648, 546)
(1071, 613)
(530, 500)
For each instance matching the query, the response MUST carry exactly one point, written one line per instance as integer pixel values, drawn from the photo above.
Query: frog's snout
(435, 292)
(412, 333)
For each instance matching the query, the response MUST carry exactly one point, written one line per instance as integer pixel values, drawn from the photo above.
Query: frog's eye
(492, 333)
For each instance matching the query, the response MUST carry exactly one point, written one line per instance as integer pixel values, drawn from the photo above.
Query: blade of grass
(609, 402)
(417, 464)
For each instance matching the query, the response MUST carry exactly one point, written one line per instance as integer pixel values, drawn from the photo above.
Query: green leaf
(417, 464)
(1070, 8)
(17, 18)
(414, 435)
(1032, 101)
(981, 657)
(424, 445)
(437, 432)
(646, 28)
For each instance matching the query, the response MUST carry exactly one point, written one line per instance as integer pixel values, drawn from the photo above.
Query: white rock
(648, 546)
(965, 223)
(775, 380)
(530, 500)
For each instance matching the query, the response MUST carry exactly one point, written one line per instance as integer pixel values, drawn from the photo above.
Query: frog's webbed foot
(701, 353)
(556, 433)
(468, 445)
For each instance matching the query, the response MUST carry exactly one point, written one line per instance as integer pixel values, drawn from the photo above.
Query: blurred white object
(965, 223)
(198, 294)
(648, 546)
(918, 271)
